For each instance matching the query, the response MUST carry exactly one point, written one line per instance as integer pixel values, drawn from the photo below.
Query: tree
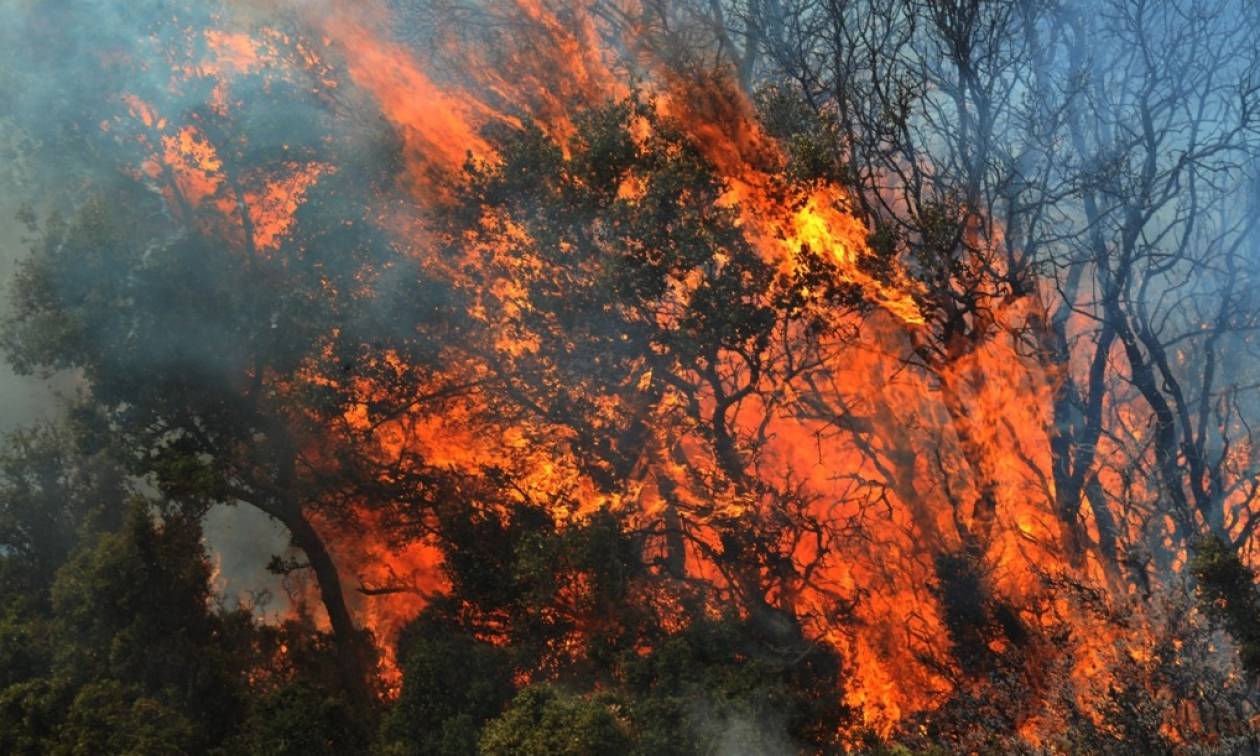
(113, 637)
(227, 345)
(1076, 176)
(635, 333)
(545, 721)
(135, 654)
(298, 719)
(51, 495)
(453, 683)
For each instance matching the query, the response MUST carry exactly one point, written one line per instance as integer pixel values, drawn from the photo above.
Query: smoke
(215, 103)
(67, 68)
(24, 399)
(242, 540)
(25, 113)
(731, 730)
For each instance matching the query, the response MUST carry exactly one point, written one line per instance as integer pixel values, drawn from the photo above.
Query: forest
(630, 376)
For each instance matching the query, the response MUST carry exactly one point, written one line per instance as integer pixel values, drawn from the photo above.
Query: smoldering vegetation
(753, 376)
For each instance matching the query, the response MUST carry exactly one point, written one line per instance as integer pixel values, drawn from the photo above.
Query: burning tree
(839, 373)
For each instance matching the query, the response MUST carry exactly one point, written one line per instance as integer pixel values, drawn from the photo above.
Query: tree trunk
(351, 661)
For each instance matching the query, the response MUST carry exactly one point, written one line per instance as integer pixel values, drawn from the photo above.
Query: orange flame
(915, 459)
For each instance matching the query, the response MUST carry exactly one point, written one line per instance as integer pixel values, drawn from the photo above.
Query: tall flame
(915, 459)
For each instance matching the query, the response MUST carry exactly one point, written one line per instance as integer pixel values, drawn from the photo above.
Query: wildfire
(917, 460)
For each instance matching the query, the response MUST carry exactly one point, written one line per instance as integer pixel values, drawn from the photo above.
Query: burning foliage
(657, 377)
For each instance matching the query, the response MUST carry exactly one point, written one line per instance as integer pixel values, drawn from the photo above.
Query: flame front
(907, 452)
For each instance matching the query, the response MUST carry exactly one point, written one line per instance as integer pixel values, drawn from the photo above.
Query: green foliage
(298, 719)
(110, 717)
(109, 638)
(1227, 591)
(26, 645)
(452, 685)
(716, 675)
(546, 721)
(809, 135)
(50, 494)
(131, 657)
(142, 593)
(519, 576)
(528, 585)
(31, 714)
(111, 641)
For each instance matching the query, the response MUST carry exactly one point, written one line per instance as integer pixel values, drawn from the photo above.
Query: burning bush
(665, 377)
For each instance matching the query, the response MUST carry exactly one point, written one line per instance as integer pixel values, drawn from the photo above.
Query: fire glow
(906, 449)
